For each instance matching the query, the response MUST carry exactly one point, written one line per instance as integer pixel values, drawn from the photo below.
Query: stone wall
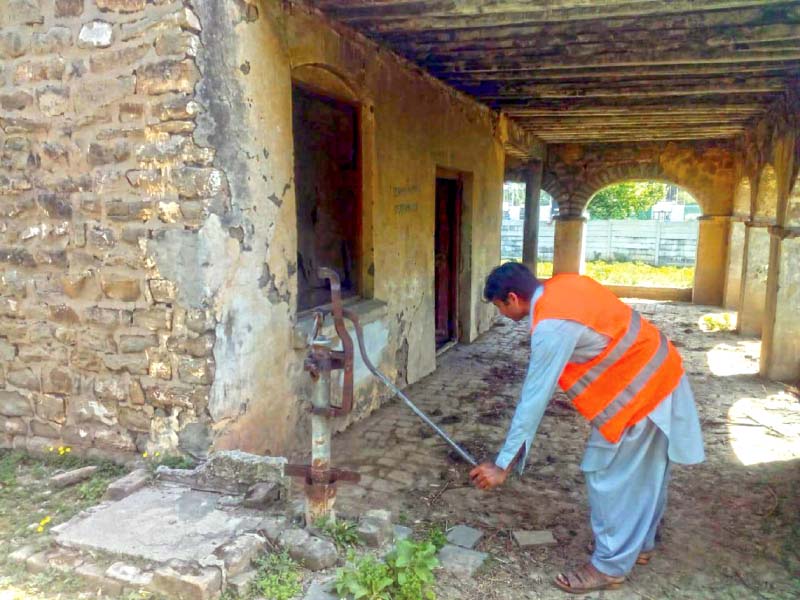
(148, 242)
(98, 160)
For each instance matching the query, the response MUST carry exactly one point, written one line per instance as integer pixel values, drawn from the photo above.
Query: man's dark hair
(510, 277)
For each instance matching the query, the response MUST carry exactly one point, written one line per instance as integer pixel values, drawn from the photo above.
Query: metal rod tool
(351, 316)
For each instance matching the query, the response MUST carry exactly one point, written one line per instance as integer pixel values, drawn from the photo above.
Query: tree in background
(626, 200)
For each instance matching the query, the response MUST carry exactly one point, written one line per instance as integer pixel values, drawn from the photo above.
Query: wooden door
(446, 248)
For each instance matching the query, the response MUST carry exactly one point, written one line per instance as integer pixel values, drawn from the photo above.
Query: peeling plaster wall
(249, 280)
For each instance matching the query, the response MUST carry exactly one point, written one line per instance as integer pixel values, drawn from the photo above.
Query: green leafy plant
(343, 533)
(365, 578)
(278, 577)
(407, 574)
(412, 565)
(437, 537)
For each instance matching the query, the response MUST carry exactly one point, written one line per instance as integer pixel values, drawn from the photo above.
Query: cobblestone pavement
(732, 528)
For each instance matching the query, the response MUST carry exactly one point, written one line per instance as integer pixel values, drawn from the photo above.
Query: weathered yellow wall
(148, 248)
(767, 261)
(417, 126)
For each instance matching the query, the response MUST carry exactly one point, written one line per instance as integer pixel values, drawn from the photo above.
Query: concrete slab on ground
(159, 523)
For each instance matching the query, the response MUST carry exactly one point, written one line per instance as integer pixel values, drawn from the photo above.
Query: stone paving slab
(159, 524)
(461, 561)
(525, 539)
(464, 536)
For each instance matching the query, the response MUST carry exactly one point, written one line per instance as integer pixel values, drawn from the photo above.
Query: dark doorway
(446, 247)
(327, 178)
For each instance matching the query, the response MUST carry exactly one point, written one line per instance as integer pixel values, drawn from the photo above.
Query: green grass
(342, 532)
(30, 507)
(630, 273)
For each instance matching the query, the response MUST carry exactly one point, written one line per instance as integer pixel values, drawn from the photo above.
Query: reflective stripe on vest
(621, 348)
(635, 386)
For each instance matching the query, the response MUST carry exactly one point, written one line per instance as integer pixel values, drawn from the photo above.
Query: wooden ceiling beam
(619, 111)
(702, 102)
(634, 92)
(679, 52)
(616, 61)
(539, 38)
(665, 72)
(676, 86)
(394, 16)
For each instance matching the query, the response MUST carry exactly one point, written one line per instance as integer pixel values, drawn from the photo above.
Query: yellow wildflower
(144, 454)
(40, 529)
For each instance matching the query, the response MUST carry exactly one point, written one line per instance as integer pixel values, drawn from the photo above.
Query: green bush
(407, 574)
(278, 577)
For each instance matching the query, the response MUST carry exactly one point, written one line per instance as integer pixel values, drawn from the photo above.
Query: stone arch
(742, 198)
(705, 170)
(327, 80)
(765, 207)
(661, 179)
(552, 185)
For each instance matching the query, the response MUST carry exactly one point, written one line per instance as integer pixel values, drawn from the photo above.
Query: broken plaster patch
(199, 263)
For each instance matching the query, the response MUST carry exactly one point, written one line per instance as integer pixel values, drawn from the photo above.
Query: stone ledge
(651, 293)
(368, 310)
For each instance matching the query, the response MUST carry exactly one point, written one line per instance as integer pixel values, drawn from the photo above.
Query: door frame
(463, 265)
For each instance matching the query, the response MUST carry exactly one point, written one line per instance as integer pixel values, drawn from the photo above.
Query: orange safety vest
(636, 371)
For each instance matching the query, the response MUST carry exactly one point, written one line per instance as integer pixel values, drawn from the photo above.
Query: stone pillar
(733, 278)
(530, 232)
(780, 344)
(570, 245)
(709, 273)
(752, 301)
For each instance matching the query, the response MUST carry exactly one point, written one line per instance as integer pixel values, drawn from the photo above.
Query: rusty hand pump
(320, 479)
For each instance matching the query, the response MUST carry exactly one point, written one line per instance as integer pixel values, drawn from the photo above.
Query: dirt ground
(732, 528)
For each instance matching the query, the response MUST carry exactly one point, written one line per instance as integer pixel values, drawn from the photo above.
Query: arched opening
(643, 234)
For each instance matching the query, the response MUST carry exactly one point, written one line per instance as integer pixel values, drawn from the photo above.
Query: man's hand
(488, 475)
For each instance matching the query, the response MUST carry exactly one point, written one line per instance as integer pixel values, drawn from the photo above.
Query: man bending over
(627, 379)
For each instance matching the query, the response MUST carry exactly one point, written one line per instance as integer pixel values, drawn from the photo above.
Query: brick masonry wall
(97, 159)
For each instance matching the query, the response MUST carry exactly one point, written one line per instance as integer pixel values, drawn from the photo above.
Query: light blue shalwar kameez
(627, 481)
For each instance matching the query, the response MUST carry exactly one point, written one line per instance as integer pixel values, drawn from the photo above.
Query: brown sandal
(587, 579)
(643, 558)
